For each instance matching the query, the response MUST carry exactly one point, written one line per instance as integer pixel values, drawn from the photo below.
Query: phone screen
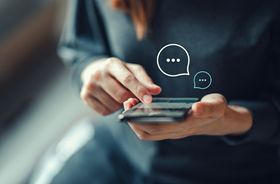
(161, 110)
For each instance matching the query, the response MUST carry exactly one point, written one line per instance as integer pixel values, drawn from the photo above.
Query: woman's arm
(103, 80)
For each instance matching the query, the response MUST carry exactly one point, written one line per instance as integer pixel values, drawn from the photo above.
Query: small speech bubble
(202, 80)
(173, 60)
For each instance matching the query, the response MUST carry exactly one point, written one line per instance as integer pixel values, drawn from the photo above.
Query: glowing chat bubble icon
(173, 60)
(202, 80)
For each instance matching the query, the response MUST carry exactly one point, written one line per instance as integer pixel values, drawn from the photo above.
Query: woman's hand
(107, 83)
(210, 116)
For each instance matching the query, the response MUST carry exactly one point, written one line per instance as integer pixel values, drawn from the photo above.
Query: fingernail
(147, 99)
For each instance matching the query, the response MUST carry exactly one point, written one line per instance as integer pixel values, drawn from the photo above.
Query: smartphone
(161, 110)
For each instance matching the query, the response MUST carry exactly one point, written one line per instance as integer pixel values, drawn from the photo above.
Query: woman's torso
(228, 39)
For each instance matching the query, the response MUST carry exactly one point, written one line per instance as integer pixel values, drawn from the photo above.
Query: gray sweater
(237, 42)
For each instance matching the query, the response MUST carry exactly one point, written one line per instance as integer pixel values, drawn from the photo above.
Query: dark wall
(15, 12)
(26, 44)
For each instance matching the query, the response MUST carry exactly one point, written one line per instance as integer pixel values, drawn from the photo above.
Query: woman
(231, 134)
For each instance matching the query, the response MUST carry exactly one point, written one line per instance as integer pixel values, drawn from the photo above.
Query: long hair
(141, 12)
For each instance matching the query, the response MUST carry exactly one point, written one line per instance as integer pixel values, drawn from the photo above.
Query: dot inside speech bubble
(202, 80)
(173, 60)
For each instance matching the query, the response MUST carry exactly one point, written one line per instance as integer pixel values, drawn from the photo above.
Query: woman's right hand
(107, 83)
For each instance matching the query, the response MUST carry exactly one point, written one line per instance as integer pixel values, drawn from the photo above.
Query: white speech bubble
(180, 74)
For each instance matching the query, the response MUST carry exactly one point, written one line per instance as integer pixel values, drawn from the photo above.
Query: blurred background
(38, 103)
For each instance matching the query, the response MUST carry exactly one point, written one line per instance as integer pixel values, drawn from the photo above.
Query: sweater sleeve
(266, 109)
(84, 39)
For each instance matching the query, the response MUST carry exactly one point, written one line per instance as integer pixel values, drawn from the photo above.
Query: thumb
(210, 106)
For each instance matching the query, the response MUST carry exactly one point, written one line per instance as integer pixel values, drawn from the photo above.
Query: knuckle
(140, 90)
(220, 110)
(90, 86)
(108, 62)
(220, 97)
(111, 61)
(138, 67)
(85, 96)
(221, 113)
(224, 99)
(82, 93)
(97, 75)
(122, 96)
(127, 78)
(120, 99)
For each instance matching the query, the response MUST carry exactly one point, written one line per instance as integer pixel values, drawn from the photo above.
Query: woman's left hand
(210, 116)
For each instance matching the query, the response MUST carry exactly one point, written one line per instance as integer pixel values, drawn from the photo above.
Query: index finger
(124, 76)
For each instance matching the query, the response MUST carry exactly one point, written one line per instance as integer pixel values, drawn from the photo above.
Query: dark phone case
(161, 110)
